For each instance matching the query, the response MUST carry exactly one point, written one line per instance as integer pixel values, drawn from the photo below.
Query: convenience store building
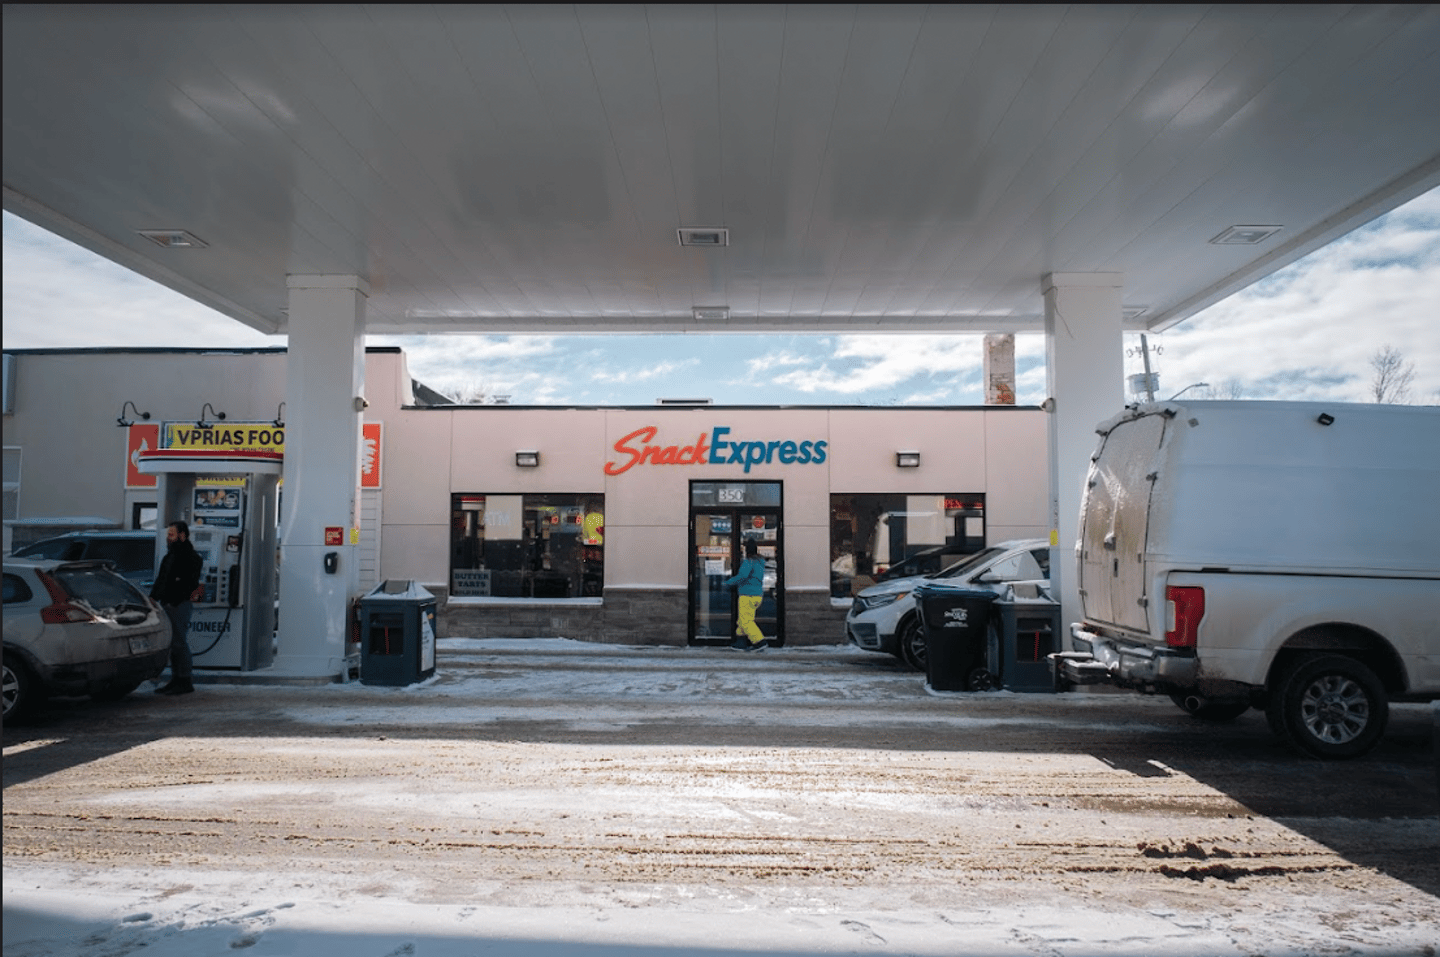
(613, 524)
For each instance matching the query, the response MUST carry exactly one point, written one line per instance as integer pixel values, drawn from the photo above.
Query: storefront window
(527, 546)
(874, 537)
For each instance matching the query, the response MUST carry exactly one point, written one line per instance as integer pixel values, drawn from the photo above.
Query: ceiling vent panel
(173, 238)
(703, 236)
(1245, 235)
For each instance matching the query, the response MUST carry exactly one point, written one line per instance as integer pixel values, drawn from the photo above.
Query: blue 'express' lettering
(749, 454)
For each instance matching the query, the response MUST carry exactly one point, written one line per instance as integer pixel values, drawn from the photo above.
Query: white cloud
(932, 397)
(1309, 331)
(479, 348)
(882, 364)
(774, 360)
(58, 295)
(644, 373)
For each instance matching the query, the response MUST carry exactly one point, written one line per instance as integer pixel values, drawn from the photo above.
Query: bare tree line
(1391, 382)
(1393, 376)
(474, 392)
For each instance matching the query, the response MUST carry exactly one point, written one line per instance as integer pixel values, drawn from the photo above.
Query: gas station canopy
(880, 168)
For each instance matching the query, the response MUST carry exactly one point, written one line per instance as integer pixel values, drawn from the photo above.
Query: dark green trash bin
(956, 623)
(397, 634)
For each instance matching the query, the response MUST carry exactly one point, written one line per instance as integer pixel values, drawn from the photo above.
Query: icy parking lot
(555, 797)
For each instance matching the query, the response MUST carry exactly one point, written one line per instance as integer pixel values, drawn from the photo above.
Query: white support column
(324, 390)
(1085, 372)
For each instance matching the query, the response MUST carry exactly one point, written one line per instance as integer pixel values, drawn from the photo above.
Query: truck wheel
(1329, 706)
(1207, 710)
(19, 689)
(912, 643)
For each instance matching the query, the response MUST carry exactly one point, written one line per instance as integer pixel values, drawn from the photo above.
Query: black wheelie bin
(956, 623)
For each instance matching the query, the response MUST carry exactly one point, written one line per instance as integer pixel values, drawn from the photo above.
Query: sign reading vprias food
(712, 448)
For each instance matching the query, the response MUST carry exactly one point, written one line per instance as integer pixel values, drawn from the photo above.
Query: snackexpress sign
(711, 448)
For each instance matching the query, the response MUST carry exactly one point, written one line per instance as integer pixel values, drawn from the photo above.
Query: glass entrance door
(723, 516)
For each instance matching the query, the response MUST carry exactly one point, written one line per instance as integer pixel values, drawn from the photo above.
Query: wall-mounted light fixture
(125, 423)
(203, 424)
(907, 460)
(527, 458)
(280, 416)
(1325, 418)
(361, 403)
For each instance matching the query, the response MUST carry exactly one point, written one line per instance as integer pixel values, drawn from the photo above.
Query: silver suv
(884, 617)
(76, 628)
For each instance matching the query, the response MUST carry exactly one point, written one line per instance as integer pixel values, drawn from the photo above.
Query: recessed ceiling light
(703, 236)
(1134, 312)
(1245, 235)
(173, 238)
(711, 313)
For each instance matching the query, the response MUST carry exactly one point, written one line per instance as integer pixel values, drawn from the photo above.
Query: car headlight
(880, 601)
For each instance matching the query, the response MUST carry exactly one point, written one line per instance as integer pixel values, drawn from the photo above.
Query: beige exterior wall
(998, 452)
(73, 457)
(66, 406)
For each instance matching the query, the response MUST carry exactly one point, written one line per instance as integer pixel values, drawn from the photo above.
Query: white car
(884, 617)
(77, 628)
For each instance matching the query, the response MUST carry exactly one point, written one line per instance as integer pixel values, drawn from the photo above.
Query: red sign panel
(143, 437)
(334, 535)
(370, 455)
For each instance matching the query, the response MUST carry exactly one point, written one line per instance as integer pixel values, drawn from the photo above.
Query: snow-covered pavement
(552, 797)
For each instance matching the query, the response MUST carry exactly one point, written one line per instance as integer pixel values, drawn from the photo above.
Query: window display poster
(503, 518)
(217, 506)
(471, 582)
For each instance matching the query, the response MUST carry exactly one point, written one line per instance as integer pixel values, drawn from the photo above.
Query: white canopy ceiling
(887, 168)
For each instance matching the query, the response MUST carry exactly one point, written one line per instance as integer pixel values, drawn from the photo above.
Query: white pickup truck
(1279, 555)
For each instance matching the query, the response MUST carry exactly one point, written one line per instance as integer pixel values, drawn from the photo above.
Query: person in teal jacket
(751, 579)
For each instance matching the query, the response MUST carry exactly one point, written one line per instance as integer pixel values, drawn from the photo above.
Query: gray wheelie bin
(397, 634)
(1029, 633)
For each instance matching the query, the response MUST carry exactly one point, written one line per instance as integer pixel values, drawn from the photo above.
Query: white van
(1269, 554)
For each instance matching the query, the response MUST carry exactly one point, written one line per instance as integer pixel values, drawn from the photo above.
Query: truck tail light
(1184, 607)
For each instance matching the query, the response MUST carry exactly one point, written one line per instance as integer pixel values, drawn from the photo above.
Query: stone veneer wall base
(631, 616)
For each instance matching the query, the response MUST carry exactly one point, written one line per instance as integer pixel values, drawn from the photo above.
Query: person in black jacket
(176, 581)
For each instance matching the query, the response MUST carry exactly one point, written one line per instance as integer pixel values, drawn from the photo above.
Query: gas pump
(219, 615)
(233, 528)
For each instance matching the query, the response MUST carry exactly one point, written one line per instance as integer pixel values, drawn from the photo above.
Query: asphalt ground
(813, 783)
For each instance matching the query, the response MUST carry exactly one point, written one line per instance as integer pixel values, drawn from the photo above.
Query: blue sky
(1306, 332)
